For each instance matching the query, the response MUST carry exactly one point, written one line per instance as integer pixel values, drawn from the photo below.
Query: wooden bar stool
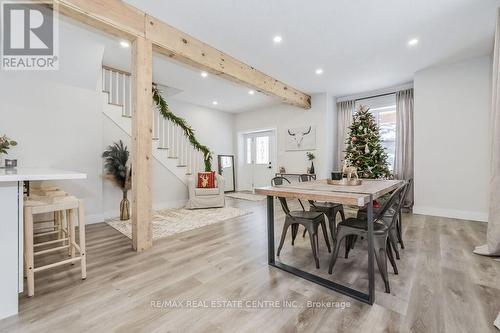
(58, 218)
(72, 207)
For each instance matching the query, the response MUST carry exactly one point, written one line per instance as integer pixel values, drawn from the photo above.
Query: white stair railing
(170, 137)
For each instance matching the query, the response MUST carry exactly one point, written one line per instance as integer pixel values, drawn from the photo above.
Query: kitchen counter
(22, 174)
(11, 229)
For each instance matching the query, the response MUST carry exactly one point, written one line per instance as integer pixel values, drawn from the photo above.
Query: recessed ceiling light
(251, 92)
(204, 74)
(413, 42)
(319, 71)
(124, 43)
(277, 39)
(215, 102)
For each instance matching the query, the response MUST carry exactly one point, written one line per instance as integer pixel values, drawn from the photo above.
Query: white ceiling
(361, 45)
(188, 85)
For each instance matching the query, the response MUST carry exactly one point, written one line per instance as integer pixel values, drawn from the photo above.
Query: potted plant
(118, 171)
(5, 144)
(311, 157)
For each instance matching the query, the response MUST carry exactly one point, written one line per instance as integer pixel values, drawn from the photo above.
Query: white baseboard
(451, 213)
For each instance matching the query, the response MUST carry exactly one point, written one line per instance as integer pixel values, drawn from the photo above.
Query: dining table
(360, 196)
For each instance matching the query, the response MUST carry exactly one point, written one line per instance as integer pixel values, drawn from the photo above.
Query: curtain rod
(375, 93)
(375, 96)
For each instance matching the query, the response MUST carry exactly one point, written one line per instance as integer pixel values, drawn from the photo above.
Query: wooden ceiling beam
(111, 16)
(120, 19)
(178, 45)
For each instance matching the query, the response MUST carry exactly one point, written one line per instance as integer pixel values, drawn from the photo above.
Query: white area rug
(246, 196)
(168, 222)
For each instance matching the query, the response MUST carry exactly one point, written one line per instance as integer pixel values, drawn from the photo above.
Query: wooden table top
(320, 190)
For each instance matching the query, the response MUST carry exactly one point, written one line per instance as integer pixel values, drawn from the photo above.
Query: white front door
(260, 157)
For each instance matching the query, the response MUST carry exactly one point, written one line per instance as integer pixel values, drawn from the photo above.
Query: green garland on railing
(162, 106)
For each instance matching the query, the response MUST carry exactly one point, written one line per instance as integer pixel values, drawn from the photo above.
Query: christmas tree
(364, 150)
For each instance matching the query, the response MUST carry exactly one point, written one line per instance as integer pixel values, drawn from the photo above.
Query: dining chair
(359, 227)
(330, 209)
(399, 223)
(305, 177)
(395, 233)
(310, 220)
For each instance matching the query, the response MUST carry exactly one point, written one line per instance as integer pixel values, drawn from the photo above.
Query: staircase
(170, 146)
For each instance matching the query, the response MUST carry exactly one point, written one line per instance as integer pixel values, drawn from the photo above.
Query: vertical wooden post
(142, 121)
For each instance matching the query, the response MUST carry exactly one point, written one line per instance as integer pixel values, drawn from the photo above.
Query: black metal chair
(305, 177)
(395, 233)
(399, 223)
(310, 220)
(330, 209)
(359, 227)
(392, 232)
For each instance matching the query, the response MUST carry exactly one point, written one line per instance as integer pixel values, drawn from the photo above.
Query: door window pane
(262, 150)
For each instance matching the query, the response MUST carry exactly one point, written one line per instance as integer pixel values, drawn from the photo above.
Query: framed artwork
(301, 138)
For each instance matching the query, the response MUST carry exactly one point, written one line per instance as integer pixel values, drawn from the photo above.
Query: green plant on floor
(162, 106)
(118, 171)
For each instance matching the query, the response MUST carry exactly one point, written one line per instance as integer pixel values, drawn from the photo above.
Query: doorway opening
(258, 162)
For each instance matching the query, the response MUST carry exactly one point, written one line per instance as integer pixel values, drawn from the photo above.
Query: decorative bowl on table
(345, 182)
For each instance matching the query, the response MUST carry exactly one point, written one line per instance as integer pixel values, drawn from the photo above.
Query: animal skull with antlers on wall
(303, 138)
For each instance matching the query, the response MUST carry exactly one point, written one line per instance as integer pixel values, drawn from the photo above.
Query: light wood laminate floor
(442, 286)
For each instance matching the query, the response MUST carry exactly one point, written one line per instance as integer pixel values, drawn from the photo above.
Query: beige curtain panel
(345, 111)
(492, 247)
(403, 163)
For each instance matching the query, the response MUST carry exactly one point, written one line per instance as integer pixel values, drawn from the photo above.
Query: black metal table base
(356, 294)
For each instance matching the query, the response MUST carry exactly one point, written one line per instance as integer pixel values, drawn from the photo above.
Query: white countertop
(32, 174)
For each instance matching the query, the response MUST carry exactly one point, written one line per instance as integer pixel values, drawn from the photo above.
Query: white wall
(282, 117)
(57, 124)
(452, 108)
(212, 127)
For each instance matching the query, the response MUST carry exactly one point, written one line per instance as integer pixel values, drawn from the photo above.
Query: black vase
(311, 171)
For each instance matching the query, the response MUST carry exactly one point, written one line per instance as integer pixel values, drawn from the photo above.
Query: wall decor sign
(301, 138)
